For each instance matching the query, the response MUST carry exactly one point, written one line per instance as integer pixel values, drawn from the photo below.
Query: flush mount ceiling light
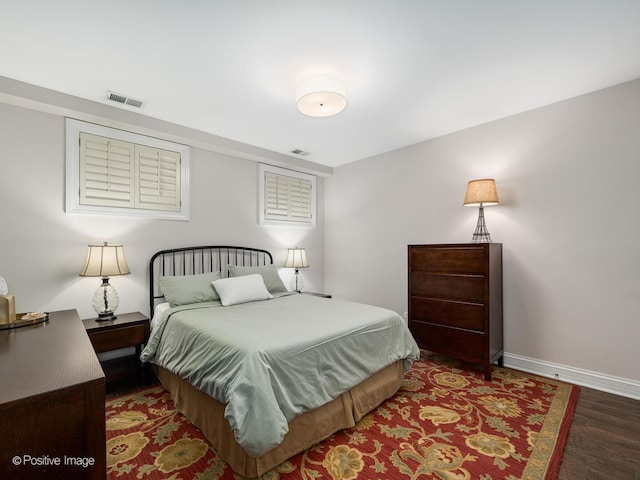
(321, 95)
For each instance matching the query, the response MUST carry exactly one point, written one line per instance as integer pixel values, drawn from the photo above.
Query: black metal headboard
(196, 260)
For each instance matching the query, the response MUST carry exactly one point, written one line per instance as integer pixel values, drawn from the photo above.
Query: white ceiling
(413, 69)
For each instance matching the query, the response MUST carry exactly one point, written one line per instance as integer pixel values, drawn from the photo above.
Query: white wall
(567, 175)
(42, 249)
(569, 221)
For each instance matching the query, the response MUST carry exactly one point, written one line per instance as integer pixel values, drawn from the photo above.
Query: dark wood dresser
(52, 402)
(455, 301)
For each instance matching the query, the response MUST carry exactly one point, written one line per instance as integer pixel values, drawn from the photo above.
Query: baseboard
(586, 378)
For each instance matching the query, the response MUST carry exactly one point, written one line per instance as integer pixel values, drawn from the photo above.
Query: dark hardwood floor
(603, 443)
(129, 385)
(604, 440)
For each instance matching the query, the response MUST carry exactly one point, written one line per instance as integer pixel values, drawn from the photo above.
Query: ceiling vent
(119, 98)
(297, 151)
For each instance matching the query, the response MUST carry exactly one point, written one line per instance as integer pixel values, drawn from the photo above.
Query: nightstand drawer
(106, 340)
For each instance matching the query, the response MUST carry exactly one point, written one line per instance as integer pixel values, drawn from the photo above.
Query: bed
(264, 372)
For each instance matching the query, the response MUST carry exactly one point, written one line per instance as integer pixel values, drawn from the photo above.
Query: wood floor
(604, 440)
(603, 443)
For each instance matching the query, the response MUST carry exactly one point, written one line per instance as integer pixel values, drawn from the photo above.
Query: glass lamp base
(105, 301)
(297, 282)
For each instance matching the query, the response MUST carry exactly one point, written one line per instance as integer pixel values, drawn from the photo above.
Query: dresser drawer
(106, 340)
(470, 260)
(465, 288)
(462, 344)
(469, 316)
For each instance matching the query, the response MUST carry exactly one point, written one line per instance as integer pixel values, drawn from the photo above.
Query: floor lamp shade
(105, 261)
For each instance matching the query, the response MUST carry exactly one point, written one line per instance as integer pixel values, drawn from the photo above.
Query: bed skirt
(304, 431)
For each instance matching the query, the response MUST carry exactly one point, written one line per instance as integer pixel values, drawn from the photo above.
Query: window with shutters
(286, 197)
(111, 171)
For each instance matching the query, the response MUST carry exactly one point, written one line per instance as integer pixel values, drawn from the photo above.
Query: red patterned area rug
(446, 422)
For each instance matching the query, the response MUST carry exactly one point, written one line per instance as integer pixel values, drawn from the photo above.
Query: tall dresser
(455, 301)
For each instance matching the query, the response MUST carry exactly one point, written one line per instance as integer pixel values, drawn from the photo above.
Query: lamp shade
(296, 258)
(321, 95)
(481, 192)
(105, 261)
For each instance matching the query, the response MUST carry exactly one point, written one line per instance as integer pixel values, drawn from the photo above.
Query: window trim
(72, 173)
(262, 218)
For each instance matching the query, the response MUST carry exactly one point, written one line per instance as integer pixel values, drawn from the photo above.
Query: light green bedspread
(272, 360)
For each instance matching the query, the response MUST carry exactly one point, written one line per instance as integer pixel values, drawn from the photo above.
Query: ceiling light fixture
(321, 95)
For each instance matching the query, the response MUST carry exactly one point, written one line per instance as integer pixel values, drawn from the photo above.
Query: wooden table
(52, 402)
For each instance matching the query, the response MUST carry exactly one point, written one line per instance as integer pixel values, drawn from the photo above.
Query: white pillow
(247, 288)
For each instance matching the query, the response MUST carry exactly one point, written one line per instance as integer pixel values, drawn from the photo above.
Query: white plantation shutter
(112, 171)
(106, 171)
(276, 196)
(287, 196)
(300, 199)
(158, 179)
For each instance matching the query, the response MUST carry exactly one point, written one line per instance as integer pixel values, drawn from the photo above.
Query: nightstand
(323, 295)
(128, 330)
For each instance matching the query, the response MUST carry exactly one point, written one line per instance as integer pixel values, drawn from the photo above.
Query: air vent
(297, 151)
(119, 98)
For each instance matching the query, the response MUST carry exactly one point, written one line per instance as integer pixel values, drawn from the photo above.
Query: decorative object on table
(445, 420)
(296, 258)
(25, 319)
(7, 304)
(7, 309)
(321, 95)
(8, 316)
(481, 193)
(105, 261)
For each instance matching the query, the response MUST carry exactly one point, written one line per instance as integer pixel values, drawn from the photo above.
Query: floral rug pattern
(446, 422)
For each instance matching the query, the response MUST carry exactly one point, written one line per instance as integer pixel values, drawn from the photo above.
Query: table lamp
(296, 258)
(481, 193)
(105, 261)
